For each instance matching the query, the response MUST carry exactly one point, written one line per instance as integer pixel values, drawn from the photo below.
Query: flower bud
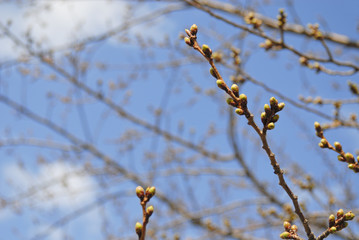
(270, 126)
(235, 89)
(231, 102)
(338, 146)
(243, 100)
(294, 228)
(332, 229)
(263, 117)
(194, 29)
(324, 142)
(138, 229)
(188, 32)
(273, 102)
(140, 192)
(239, 111)
(280, 106)
(285, 235)
(275, 118)
(331, 220)
(286, 225)
(349, 158)
(150, 192)
(213, 73)
(351, 166)
(149, 211)
(206, 50)
(188, 41)
(340, 213)
(317, 127)
(221, 84)
(349, 216)
(267, 109)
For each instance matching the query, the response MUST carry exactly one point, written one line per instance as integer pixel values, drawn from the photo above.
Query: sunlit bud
(270, 126)
(321, 145)
(349, 216)
(351, 166)
(243, 99)
(239, 111)
(207, 51)
(317, 126)
(221, 84)
(149, 211)
(138, 229)
(294, 228)
(349, 157)
(331, 220)
(188, 41)
(267, 109)
(324, 142)
(340, 213)
(263, 117)
(275, 118)
(235, 89)
(285, 235)
(273, 102)
(341, 158)
(332, 229)
(231, 102)
(150, 192)
(140, 192)
(213, 73)
(353, 88)
(280, 106)
(338, 146)
(286, 225)
(194, 29)
(303, 60)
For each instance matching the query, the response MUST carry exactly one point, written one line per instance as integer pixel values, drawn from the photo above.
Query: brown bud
(331, 220)
(149, 211)
(239, 111)
(221, 84)
(188, 41)
(235, 90)
(206, 50)
(231, 102)
(243, 100)
(270, 126)
(138, 229)
(338, 147)
(140, 192)
(285, 235)
(275, 118)
(213, 73)
(349, 158)
(340, 213)
(286, 225)
(194, 29)
(150, 192)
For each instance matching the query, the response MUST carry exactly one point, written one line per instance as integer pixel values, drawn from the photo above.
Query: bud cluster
(269, 116)
(282, 18)
(340, 222)
(342, 157)
(192, 35)
(290, 231)
(144, 197)
(251, 19)
(315, 32)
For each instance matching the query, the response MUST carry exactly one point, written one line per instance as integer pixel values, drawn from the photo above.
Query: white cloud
(57, 23)
(57, 184)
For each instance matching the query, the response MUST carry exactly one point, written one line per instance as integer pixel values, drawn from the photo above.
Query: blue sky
(46, 192)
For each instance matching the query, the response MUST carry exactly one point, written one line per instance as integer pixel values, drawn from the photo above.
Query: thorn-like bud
(194, 29)
(221, 84)
(270, 126)
(231, 102)
(239, 111)
(280, 106)
(286, 225)
(349, 216)
(149, 211)
(294, 228)
(235, 90)
(331, 220)
(213, 73)
(243, 100)
(188, 41)
(349, 158)
(138, 229)
(285, 235)
(340, 213)
(338, 146)
(332, 229)
(140, 192)
(206, 50)
(150, 192)
(275, 118)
